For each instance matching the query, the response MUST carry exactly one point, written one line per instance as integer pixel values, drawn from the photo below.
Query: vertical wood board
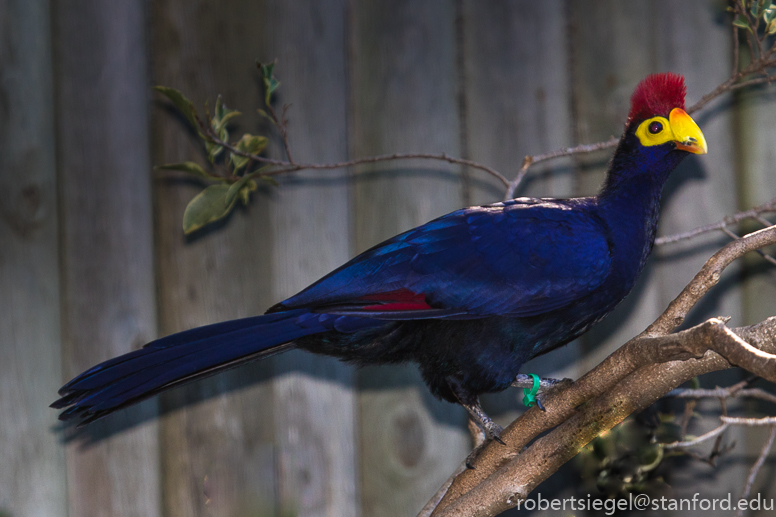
(218, 456)
(106, 237)
(518, 103)
(403, 100)
(614, 46)
(32, 479)
(313, 396)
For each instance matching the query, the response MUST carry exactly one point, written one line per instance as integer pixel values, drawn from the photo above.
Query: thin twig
(695, 441)
(749, 422)
(717, 450)
(566, 151)
(735, 51)
(742, 12)
(765, 208)
(757, 66)
(732, 84)
(287, 166)
(756, 468)
(755, 393)
(282, 124)
(389, 157)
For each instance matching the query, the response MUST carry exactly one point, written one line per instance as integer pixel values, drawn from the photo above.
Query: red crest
(657, 95)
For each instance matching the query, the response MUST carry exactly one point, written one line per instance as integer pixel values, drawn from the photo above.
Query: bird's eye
(655, 127)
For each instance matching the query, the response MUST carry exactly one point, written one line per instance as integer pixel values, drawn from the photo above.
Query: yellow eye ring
(655, 131)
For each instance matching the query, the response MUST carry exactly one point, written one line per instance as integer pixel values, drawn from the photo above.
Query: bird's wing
(519, 258)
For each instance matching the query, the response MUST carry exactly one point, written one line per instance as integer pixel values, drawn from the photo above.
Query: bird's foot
(487, 434)
(490, 429)
(527, 382)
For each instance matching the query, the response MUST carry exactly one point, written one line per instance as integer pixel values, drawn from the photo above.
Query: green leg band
(530, 394)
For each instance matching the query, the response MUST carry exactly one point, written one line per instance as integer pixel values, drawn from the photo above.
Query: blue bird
(469, 297)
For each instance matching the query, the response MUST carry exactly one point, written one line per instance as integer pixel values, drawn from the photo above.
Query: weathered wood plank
(403, 100)
(289, 443)
(517, 103)
(314, 402)
(696, 42)
(32, 479)
(517, 94)
(217, 450)
(614, 45)
(106, 236)
(755, 144)
(611, 51)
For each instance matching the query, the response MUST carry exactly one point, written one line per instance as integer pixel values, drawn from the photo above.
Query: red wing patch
(399, 300)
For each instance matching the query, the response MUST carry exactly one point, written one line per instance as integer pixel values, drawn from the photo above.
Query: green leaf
(741, 22)
(245, 192)
(210, 205)
(769, 14)
(238, 162)
(216, 201)
(771, 28)
(237, 186)
(220, 120)
(252, 143)
(269, 179)
(181, 102)
(213, 150)
(266, 116)
(219, 107)
(270, 82)
(757, 7)
(226, 119)
(190, 167)
(249, 144)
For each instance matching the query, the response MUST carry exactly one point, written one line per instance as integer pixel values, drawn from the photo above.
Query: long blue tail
(180, 358)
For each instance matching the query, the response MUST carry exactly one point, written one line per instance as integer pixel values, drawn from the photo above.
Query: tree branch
(756, 468)
(708, 277)
(606, 382)
(755, 393)
(730, 220)
(513, 481)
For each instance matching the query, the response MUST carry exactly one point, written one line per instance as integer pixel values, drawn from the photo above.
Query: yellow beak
(687, 134)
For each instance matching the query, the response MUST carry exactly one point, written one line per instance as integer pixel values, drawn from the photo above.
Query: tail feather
(180, 358)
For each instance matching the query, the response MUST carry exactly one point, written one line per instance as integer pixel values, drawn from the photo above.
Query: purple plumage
(469, 297)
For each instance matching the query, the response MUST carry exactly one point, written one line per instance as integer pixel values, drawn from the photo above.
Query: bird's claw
(493, 431)
(491, 434)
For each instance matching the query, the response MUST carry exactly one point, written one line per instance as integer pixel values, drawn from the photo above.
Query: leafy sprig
(235, 173)
(754, 19)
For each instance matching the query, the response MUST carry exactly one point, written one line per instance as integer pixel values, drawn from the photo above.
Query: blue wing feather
(519, 258)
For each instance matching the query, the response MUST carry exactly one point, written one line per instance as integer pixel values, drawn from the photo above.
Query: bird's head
(658, 132)
(657, 116)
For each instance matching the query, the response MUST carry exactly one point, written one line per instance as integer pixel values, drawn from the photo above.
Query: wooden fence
(93, 262)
